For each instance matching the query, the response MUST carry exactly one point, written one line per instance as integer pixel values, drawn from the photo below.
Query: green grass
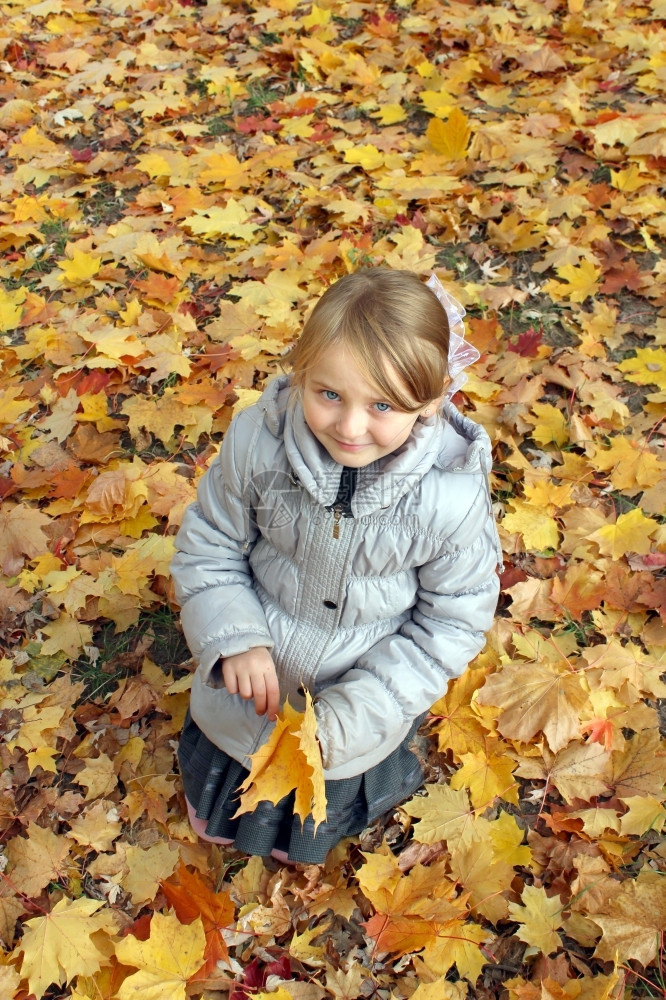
(102, 671)
(259, 96)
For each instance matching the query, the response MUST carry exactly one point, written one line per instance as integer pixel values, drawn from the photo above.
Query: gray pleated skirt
(211, 779)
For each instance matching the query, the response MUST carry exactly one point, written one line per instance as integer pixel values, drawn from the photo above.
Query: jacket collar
(448, 441)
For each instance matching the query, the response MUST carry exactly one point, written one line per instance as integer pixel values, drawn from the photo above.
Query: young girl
(342, 542)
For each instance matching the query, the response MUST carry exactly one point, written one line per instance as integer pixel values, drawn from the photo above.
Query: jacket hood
(448, 440)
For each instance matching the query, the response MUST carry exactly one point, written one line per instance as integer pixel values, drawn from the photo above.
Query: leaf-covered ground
(179, 181)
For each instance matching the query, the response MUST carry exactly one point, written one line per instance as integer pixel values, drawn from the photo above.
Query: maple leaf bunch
(290, 760)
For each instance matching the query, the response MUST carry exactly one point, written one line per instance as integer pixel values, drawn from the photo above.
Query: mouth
(349, 447)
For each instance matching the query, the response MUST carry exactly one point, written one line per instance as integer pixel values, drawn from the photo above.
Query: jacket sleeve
(400, 677)
(220, 611)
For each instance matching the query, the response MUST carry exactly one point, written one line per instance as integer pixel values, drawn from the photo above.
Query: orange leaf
(191, 898)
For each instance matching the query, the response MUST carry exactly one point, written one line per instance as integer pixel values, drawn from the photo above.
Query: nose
(351, 423)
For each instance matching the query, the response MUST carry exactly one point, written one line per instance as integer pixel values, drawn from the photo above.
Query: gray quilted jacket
(373, 616)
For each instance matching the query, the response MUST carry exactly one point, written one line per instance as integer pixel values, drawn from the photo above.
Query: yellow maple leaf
(597, 821)
(231, 221)
(154, 164)
(367, 156)
(631, 464)
(488, 774)
(301, 948)
(170, 956)
(246, 397)
(648, 367)
(80, 269)
(10, 406)
(142, 559)
(539, 918)
(379, 876)
(96, 827)
(111, 344)
(453, 719)
(161, 416)
(450, 138)
(226, 170)
(318, 17)
(20, 535)
(457, 943)
(632, 532)
(539, 530)
(438, 102)
(415, 908)
(390, 114)
(630, 179)
(645, 813)
(98, 776)
(42, 757)
(66, 634)
(165, 356)
(443, 813)
(482, 875)
(583, 280)
(60, 945)
(11, 308)
(580, 771)
(290, 760)
(146, 869)
(507, 838)
(440, 989)
(550, 425)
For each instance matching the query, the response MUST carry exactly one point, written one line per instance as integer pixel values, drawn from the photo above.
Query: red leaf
(253, 123)
(528, 343)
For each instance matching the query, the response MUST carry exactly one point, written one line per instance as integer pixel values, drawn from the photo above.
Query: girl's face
(346, 414)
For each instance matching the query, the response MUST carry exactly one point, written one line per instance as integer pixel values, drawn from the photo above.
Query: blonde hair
(394, 327)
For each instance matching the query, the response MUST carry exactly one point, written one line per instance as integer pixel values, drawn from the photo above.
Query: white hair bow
(461, 354)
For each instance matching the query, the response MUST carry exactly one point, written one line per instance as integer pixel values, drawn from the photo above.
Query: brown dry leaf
(532, 698)
(37, 859)
(634, 920)
(640, 769)
(581, 771)
(21, 536)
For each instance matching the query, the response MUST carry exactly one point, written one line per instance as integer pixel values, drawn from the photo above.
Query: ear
(431, 408)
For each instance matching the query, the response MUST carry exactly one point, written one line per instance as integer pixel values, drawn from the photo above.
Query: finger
(230, 678)
(245, 686)
(272, 696)
(259, 695)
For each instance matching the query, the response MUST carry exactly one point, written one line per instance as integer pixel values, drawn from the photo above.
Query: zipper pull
(337, 514)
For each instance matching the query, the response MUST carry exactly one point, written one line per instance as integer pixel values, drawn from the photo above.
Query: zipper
(337, 514)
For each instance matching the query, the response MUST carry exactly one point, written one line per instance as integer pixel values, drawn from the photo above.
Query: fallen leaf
(166, 960)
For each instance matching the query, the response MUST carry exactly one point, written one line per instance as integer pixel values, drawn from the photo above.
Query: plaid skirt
(211, 779)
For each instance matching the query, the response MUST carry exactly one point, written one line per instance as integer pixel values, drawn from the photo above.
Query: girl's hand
(252, 675)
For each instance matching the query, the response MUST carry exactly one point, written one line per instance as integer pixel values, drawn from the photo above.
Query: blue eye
(329, 394)
(383, 407)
